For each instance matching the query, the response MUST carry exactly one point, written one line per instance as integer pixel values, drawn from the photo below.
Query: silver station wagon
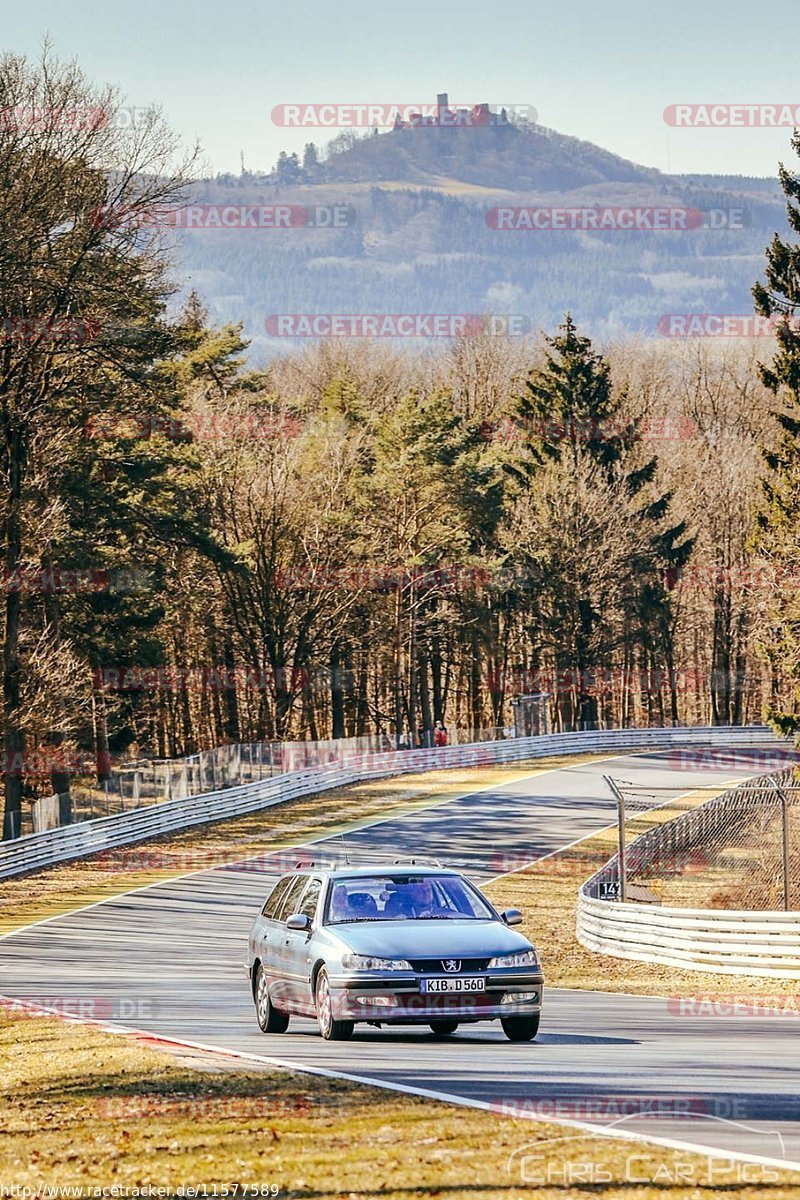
(405, 945)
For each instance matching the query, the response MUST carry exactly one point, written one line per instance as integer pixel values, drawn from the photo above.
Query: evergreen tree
(570, 413)
(778, 520)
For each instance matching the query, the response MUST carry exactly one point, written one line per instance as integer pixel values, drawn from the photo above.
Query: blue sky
(601, 71)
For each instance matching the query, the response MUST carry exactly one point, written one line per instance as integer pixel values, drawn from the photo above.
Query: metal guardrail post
(620, 799)
(785, 840)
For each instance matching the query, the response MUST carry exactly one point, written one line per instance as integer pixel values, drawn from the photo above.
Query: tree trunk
(337, 693)
(13, 737)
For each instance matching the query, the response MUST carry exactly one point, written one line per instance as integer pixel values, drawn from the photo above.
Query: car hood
(430, 939)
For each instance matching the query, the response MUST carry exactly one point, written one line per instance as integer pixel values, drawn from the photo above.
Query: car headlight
(365, 962)
(523, 958)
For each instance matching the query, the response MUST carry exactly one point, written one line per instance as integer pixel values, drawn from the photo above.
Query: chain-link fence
(717, 848)
(152, 781)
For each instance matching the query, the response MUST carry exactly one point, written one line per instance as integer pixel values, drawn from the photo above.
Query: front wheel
(270, 1019)
(521, 1029)
(444, 1028)
(331, 1030)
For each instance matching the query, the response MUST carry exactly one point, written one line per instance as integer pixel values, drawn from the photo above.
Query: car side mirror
(298, 921)
(512, 916)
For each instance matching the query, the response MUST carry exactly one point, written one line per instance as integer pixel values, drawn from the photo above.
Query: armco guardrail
(725, 941)
(104, 833)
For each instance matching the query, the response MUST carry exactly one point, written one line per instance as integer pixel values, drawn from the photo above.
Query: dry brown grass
(85, 1108)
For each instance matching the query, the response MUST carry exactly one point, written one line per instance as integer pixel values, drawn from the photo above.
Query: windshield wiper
(353, 920)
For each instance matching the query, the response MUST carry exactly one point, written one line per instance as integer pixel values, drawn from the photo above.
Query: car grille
(435, 965)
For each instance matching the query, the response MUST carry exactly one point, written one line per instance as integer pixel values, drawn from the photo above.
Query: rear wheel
(521, 1029)
(270, 1019)
(331, 1030)
(443, 1028)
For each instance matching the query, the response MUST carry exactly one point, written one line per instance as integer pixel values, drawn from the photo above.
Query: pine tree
(569, 413)
(779, 517)
(569, 406)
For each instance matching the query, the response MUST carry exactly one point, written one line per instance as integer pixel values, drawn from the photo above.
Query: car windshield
(405, 897)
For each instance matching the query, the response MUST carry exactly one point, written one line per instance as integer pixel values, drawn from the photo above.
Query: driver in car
(424, 903)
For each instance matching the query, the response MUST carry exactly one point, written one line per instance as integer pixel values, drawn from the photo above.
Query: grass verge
(83, 1108)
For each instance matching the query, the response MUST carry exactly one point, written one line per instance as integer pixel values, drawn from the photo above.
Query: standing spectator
(439, 735)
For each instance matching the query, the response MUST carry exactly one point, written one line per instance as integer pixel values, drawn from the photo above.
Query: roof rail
(422, 861)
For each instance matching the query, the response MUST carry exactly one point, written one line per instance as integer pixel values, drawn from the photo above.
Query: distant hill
(509, 157)
(421, 236)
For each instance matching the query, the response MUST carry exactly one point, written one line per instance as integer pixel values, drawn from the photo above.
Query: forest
(358, 537)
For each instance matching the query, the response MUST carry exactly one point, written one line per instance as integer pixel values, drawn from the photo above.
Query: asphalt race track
(168, 959)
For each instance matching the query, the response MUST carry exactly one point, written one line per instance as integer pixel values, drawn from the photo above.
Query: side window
(292, 898)
(274, 899)
(309, 905)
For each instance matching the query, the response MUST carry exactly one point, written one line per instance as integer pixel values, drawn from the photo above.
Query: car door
(278, 947)
(296, 949)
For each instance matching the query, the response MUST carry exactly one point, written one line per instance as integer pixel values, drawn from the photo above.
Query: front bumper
(398, 998)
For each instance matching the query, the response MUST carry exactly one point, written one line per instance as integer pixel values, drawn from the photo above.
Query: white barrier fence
(38, 850)
(723, 941)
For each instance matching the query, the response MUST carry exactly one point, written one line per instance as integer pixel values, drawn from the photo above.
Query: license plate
(473, 983)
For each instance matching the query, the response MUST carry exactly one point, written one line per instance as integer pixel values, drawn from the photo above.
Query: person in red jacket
(439, 735)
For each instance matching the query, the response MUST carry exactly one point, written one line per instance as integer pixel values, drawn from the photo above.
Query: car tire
(331, 1030)
(521, 1029)
(444, 1028)
(270, 1019)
